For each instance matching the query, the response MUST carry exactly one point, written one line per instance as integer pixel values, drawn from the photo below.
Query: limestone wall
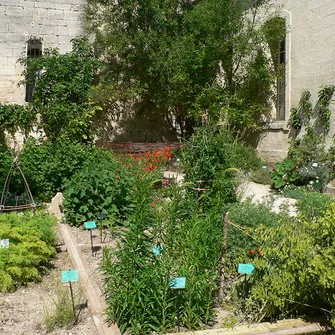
(55, 22)
(310, 62)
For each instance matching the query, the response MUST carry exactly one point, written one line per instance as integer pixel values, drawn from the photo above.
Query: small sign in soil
(4, 243)
(69, 276)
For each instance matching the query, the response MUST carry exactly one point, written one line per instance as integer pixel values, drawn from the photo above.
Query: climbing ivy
(14, 117)
(325, 96)
(305, 105)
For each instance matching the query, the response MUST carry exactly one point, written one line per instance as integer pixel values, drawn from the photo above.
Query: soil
(23, 311)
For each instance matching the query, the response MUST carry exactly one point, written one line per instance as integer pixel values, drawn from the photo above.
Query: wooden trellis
(5, 191)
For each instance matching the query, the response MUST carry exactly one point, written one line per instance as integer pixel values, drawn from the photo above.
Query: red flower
(128, 166)
(252, 252)
(152, 203)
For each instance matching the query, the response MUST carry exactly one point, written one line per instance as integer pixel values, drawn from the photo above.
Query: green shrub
(47, 165)
(285, 173)
(5, 164)
(313, 204)
(99, 187)
(212, 159)
(31, 247)
(295, 276)
(248, 217)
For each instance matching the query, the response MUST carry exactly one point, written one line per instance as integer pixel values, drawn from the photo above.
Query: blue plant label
(90, 225)
(4, 243)
(246, 268)
(71, 275)
(157, 250)
(178, 283)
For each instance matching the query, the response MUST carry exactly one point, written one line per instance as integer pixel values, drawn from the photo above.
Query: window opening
(34, 50)
(281, 61)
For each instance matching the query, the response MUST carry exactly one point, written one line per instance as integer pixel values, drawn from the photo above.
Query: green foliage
(284, 173)
(61, 314)
(31, 247)
(17, 117)
(262, 176)
(100, 186)
(61, 90)
(137, 280)
(312, 204)
(168, 55)
(325, 96)
(47, 165)
(248, 217)
(295, 119)
(305, 106)
(295, 277)
(308, 149)
(212, 160)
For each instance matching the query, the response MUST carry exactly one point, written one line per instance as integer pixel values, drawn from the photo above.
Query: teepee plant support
(5, 191)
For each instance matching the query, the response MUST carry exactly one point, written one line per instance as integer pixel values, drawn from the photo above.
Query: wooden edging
(96, 303)
(284, 327)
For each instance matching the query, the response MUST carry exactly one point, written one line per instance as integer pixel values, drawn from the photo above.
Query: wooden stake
(223, 255)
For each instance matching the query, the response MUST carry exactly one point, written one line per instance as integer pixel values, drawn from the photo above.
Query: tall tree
(186, 59)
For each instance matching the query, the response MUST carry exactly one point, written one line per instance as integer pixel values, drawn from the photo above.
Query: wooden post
(223, 254)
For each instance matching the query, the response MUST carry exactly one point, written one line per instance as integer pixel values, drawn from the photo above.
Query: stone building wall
(310, 62)
(54, 22)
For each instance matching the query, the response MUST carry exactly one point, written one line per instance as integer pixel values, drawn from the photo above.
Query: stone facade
(55, 23)
(309, 59)
(310, 63)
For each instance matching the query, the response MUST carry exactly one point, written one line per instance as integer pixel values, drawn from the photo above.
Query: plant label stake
(245, 269)
(4, 243)
(157, 250)
(101, 216)
(178, 284)
(68, 277)
(90, 225)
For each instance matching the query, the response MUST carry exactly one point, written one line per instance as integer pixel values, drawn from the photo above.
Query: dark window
(275, 33)
(34, 50)
(281, 64)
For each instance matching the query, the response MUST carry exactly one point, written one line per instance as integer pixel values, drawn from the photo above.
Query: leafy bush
(248, 217)
(315, 175)
(99, 187)
(313, 204)
(284, 173)
(295, 276)
(48, 165)
(5, 164)
(212, 158)
(31, 246)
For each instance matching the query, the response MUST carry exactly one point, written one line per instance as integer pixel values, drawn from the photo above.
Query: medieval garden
(151, 130)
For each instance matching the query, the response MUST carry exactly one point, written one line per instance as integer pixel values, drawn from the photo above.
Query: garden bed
(23, 311)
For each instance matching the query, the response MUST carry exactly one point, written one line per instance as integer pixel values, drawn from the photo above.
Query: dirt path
(23, 311)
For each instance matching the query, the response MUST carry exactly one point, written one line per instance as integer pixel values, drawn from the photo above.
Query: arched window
(34, 50)
(275, 33)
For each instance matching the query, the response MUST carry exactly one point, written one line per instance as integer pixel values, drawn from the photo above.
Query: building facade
(27, 28)
(308, 54)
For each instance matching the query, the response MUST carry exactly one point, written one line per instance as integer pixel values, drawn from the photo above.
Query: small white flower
(315, 164)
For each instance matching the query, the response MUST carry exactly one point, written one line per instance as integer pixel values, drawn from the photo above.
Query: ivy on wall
(14, 117)
(302, 114)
